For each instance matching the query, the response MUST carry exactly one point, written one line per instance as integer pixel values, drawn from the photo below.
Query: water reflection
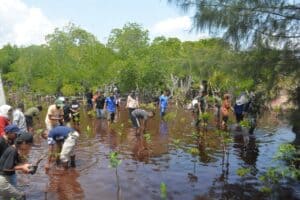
(64, 185)
(247, 149)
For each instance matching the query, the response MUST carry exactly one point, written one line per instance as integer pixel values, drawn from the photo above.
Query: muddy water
(148, 163)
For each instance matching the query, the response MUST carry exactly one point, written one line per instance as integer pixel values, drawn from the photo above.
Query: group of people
(15, 145)
(61, 136)
(245, 105)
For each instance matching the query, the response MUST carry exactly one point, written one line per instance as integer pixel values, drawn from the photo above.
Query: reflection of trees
(64, 184)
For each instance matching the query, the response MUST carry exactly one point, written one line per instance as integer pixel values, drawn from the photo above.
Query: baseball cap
(12, 128)
(24, 137)
(59, 103)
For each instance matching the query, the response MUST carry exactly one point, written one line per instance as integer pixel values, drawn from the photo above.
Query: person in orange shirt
(225, 108)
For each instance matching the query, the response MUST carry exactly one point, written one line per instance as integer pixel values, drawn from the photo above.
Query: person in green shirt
(30, 113)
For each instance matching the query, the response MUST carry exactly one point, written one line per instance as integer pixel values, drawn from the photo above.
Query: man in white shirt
(19, 118)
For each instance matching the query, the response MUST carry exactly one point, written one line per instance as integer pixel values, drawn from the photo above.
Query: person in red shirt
(5, 117)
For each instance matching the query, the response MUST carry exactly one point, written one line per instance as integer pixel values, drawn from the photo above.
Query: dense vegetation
(73, 60)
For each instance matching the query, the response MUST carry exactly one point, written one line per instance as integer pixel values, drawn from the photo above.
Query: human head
(226, 96)
(166, 92)
(24, 143)
(21, 106)
(40, 107)
(44, 134)
(151, 114)
(59, 103)
(6, 111)
(11, 131)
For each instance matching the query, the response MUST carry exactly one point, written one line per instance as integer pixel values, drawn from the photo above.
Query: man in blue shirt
(163, 103)
(65, 139)
(110, 106)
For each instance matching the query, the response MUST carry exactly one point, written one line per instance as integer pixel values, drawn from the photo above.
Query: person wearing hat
(8, 138)
(10, 162)
(55, 114)
(5, 117)
(30, 113)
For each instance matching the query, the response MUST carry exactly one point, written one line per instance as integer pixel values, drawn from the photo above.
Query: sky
(26, 22)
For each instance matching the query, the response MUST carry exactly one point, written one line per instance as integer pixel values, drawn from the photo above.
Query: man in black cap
(10, 134)
(11, 161)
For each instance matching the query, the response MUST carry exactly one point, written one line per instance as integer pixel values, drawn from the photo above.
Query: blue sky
(33, 19)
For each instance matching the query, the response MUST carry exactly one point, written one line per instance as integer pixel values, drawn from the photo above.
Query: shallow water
(147, 164)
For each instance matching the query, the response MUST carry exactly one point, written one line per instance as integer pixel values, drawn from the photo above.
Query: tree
(130, 41)
(247, 20)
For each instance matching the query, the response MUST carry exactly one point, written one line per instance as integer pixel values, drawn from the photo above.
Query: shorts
(136, 122)
(162, 111)
(110, 116)
(29, 121)
(8, 191)
(239, 117)
(225, 119)
(100, 113)
(69, 146)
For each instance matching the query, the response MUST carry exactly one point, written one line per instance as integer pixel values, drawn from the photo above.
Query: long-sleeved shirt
(19, 120)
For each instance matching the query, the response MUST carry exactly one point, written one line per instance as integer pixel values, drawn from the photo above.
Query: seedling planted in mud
(176, 143)
(243, 171)
(163, 190)
(245, 123)
(114, 159)
(147, 137)
(194, 151)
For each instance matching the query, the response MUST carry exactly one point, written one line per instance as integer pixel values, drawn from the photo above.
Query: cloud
(23, 25)
(179, 27)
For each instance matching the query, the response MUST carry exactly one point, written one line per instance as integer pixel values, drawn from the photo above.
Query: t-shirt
(3, 145)
(9, 160)
(33, 111)
(202, 101)
(67, 113)
(19, 120)
(132, 102)
(110, 104)
(100, 101)
(139, 113)
(163, 101)
(238, 109)
(3, 123)
(52, 110)
(58, 133)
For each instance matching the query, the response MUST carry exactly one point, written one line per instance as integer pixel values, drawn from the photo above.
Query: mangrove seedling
(163, 191)
(243, 171)
(194, 151)
(245, 123)
(114, 159)
(147, 137)
(286, 152)
(176, 143)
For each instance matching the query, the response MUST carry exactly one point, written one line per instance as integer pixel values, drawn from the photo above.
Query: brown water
(146, 164)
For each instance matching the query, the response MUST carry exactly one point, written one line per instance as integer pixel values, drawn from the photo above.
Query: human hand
(26, 168)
